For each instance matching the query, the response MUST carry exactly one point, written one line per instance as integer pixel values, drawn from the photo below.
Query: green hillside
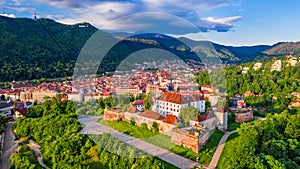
(32, 49)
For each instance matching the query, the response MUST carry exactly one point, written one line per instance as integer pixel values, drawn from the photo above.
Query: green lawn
(227, 151)
(129, 129)
(163, 141)
(233, 126)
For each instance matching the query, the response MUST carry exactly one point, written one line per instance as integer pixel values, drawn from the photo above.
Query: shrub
(144, 126)
(155, 127)
(132, 121)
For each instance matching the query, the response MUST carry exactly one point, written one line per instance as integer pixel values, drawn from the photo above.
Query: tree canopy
(55, 127)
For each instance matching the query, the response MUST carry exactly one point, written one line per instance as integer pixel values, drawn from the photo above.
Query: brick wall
(113, 115)
(163, 127)
(178, 137)
(243, 117)
(189, 140)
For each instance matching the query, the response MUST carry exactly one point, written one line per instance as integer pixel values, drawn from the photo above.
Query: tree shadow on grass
(232, 136)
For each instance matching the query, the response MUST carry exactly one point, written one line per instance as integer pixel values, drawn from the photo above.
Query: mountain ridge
(32, 49)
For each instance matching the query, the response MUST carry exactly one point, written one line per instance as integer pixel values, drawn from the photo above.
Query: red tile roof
(138, 102)
(22, 111)
(132, 109)
(171, 119)
(179, 98)
(249, 93)
(204, 117)
(151, 115)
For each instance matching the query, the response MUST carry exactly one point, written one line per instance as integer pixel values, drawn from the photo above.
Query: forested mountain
(43, 48)
(32, 49)
(284, 48)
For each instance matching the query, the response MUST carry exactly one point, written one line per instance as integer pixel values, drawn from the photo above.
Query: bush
(132, 121)
(155, 127)
(231, 118)
(144, 126)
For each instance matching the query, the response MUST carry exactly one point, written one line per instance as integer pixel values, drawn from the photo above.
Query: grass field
(163, 141)
(233, 126)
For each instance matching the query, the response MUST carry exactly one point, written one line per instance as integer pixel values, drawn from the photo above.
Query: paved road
(9, 146)
(36, 148)
(214, 161)
(94, 127)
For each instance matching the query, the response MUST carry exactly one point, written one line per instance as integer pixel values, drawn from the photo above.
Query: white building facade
(171, 103)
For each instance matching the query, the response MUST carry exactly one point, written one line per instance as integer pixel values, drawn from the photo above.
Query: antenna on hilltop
(4, 11)
(35, 18)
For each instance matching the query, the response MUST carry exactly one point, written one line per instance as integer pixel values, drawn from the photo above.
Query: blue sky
(229, 22)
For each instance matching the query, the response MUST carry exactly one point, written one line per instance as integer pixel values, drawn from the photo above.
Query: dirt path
(214, 161)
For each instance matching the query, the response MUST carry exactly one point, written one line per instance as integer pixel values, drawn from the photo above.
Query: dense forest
(32, 49)
(271, 88)
(270, 144)
(54, 126)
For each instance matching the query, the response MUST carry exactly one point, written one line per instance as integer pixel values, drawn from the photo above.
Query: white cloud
(8, 15)
(101, 13)
(227, 20)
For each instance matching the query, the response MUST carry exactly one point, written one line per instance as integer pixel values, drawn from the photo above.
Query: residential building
(249, 93)
(125, 90)
(91, 96)
(139, 105)
(209, 88)
(257, 66)
(245, 70)
(276, 66)
(6, 109)
(241, 104)
(76, 96)
(154, 90)
(18, 113)
(296, 103)
(171, 103)
(39, 95)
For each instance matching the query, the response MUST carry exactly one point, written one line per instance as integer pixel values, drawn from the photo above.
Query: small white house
(139, 105)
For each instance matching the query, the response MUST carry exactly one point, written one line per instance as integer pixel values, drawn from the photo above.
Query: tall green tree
(186, 114)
